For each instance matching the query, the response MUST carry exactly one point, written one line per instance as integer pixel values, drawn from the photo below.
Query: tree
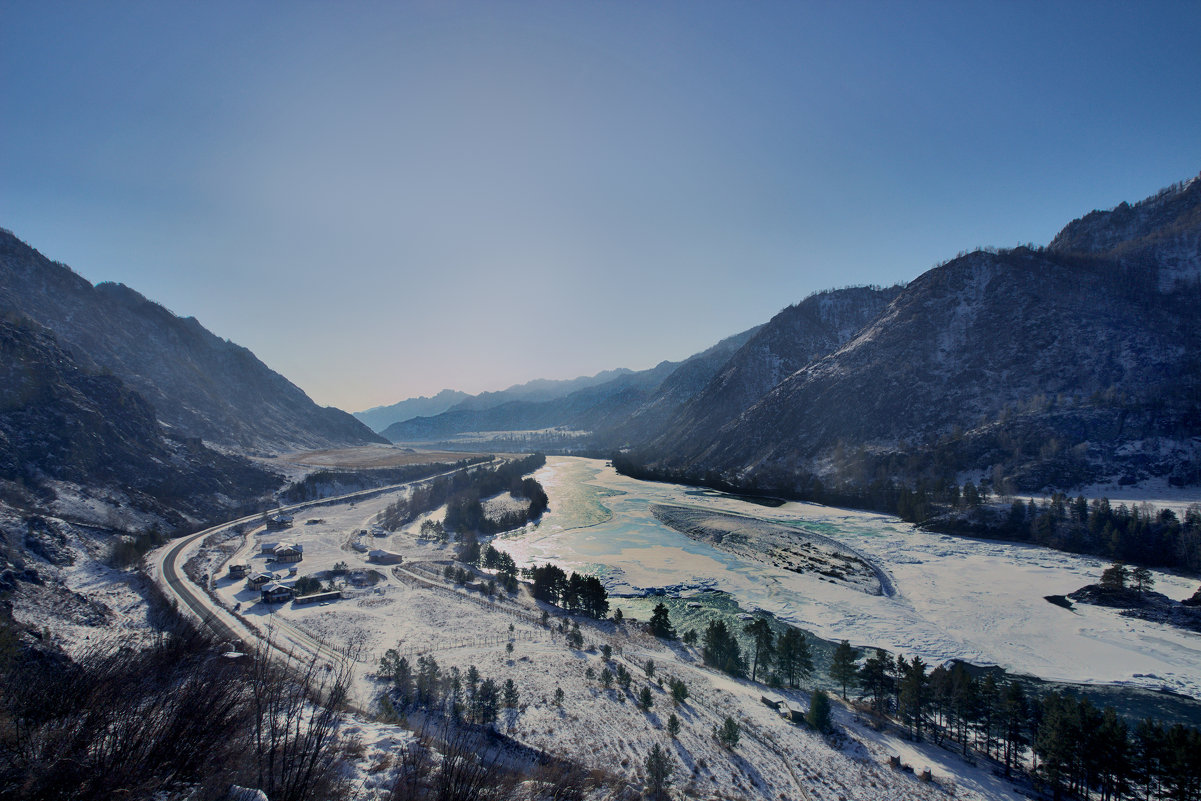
(659, 766)
(558, 696)
(645, 699)
(1115, 576)
(606, 678)
(1142, 578)
(728, 732)
(875, 677)
(618, 617)
(679, 691)
(843, 667)
(661, 624)
(915, 691)
(793, 656)
(673, 725)
(510, 694)
(649, 668)
(720, 649)
(819, 711)
(762, 639)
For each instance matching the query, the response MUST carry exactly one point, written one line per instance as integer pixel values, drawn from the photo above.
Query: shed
(384, 557)
(316, 597)
(238, 571)
(274, 592)
(791, 712)
(772, 701)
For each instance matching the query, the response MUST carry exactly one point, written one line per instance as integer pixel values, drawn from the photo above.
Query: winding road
(285, 640)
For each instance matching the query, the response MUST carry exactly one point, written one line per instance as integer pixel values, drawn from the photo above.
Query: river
(956, 598)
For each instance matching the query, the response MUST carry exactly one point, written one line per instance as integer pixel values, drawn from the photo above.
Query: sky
(385, 199)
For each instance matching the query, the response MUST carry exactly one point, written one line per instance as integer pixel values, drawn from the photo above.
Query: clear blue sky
(384, 199)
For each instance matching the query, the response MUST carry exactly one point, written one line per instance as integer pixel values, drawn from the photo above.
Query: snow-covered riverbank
(978, 600)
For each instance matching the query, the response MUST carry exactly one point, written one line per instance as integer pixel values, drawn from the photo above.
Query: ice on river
(955, 598)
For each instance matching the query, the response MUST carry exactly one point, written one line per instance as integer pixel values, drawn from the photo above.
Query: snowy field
(601, 728)
(977, 600)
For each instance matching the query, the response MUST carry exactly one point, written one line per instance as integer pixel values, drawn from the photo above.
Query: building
(276, 593)
(383, 557)
(317, 597)
(259, 579)
(279, 521)
(287, 552)
(238, 571)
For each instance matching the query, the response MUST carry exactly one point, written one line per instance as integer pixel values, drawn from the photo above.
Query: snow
(978, 600)
(604, 729)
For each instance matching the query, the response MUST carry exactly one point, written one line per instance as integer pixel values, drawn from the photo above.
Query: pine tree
(762, 639)
(728, 732)
(510, 694)
(645, 699)
(844, 667)
(819, 712)
(660, 623)
(793, 656)
(673, 725)
(659, 767)
(1142, 578)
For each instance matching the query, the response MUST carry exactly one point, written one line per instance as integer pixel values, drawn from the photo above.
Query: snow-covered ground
(603, 729)
(978, 600)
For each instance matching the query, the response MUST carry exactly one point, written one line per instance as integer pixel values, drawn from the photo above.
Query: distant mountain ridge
(604, 409)
(197, 383)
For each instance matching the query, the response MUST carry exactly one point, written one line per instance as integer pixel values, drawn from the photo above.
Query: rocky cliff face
(62, 422)
(1044, 368)
(197, 383)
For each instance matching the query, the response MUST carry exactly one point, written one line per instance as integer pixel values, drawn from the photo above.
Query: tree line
(1075, 748)
(1140, 534)
(461, 494)
(576, 593)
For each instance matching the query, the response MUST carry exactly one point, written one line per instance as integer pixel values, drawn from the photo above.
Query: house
(317, 597)
(259, 579)
(279, 521)
(238, 571)
(384, 557)
(287, 552)
(276, 593)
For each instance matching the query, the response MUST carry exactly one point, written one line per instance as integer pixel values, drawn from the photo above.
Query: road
(284, 639)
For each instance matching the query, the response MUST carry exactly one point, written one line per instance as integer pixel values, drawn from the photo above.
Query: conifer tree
(762, 640)
(844, 667)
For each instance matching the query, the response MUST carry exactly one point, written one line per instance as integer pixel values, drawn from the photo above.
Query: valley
(953, 599)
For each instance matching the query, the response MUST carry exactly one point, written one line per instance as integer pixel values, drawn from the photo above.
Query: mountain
(380, 417)
(198, 383)
(792, 339)
(61, 421)
(1040, 368)
(578, 412)
(597, 415)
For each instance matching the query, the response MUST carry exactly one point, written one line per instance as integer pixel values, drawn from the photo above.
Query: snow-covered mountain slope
(1048, 368)
(198, 383)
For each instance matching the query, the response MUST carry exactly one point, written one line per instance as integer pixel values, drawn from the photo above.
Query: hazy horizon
(386, 201)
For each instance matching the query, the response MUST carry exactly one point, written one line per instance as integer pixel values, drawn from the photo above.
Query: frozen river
(977, 600)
